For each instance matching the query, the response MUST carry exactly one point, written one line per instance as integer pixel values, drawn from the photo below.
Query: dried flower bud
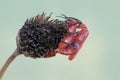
(39, 35)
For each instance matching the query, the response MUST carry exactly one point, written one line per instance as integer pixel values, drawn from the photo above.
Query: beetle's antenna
(63, 16)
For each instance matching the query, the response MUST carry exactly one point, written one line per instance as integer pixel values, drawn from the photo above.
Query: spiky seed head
(39, 35)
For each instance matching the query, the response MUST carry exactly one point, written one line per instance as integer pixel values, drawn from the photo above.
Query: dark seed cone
(39, 35)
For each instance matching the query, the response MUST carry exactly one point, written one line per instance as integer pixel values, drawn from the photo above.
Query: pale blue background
(99, 59)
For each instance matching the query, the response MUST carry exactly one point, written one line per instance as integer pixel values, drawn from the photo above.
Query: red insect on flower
(72, 42)
(40, 37)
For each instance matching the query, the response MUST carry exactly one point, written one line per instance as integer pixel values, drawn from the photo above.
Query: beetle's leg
(50, 54)
(69, 50)
(68, 39)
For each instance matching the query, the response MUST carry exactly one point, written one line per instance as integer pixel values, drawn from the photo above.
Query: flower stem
(9, 60)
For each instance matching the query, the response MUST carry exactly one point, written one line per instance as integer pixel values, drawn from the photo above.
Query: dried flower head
(39, 35)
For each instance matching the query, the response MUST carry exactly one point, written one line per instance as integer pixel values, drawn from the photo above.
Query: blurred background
(99, 57)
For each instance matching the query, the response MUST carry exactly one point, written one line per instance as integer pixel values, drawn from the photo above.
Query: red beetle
(73, 41)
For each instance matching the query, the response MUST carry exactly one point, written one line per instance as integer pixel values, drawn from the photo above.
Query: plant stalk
(8, 62)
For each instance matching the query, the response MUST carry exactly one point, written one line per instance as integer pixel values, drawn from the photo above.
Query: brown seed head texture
(39, 35)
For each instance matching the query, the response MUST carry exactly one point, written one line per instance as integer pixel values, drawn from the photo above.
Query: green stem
(9, 60)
